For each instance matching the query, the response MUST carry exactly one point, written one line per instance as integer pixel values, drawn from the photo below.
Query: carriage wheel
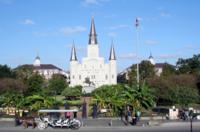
(25, 124)
(42, 126)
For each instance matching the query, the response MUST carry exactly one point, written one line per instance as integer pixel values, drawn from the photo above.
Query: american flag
(136, 22)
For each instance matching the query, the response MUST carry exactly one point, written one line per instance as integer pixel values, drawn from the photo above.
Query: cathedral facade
(92, 70)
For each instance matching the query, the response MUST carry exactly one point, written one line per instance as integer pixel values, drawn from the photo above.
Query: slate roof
(159, 65)
(43, 66)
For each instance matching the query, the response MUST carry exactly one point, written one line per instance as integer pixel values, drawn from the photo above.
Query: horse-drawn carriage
(51, 118)
(62, 122)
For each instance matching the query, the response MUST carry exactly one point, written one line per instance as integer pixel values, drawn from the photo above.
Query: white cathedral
(92, 72)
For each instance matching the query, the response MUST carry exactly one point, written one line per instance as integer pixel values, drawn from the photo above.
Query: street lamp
(137, 52)
(191, 119)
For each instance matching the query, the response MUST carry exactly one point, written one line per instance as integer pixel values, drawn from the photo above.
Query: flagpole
(137, 52)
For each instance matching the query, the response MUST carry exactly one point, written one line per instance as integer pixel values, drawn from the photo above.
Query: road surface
(166, 127)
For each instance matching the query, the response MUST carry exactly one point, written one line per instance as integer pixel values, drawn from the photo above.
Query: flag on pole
(136, 23)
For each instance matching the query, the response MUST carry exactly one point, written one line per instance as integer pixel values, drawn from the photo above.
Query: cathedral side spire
(73, 53)
(112, 52)
(92, 35)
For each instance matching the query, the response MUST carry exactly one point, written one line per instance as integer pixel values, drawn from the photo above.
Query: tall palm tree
(138, 97)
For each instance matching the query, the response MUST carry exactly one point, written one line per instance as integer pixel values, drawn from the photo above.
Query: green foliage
(190, 65)
(108, 96)
(35, 84)
(11, 99)
(132, 75)
(74, 102)
(162, 85)
(168, 70)
(72, 91)
(36, 102)
(183, 95)
(138, 97)
(6, 72)
(116, 97)
(146, 70)
(23, 72)
(11, 85)
(56, 84)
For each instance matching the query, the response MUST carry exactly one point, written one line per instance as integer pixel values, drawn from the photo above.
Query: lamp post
(191, 119)
(137, 52)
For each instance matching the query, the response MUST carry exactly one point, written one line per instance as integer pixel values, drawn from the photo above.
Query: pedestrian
(129, 116)
(67, 115)
(138, 115)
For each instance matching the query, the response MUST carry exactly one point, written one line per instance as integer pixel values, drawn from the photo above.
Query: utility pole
(137, 52)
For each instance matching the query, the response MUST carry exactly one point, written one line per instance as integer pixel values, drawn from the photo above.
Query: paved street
(167, 127)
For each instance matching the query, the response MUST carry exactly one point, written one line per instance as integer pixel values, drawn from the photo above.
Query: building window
(112, 76)
(93, 77)
(79, 77)
(73, 76)
(106, 77)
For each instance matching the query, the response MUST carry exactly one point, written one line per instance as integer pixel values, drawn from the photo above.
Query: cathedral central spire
(92, 35)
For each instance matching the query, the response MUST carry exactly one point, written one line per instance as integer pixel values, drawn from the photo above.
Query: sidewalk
(113, 122)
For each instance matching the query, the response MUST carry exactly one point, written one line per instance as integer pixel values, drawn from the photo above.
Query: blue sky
(168, 28)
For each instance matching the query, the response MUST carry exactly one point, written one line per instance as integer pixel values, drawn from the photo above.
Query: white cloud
(168, 56)
(60, 31)
(91, 2)
(121, 26)
(78, 47)
(87, 3)
(151, 42)
(45, 33)
(71, 30)
(128, 56)
(110, 16)
(189, 47)
(165, 14)
(112, 34)
(28, 22)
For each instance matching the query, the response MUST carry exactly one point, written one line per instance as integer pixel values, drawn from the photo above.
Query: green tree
(183, 95)
(35, 84)
(168, 70)
(10, 99)
(71, 92)
(24, 72)
(138, 98)
(108, 96)
(6, 72)
(190, 65)
(146, 70)
(36, 102)
(56, 84)
(132, 75)
(11, 85)
(162, 85)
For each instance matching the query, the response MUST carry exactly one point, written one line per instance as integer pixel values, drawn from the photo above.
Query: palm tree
(36, 102)
(138, 97)
(108, 97)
